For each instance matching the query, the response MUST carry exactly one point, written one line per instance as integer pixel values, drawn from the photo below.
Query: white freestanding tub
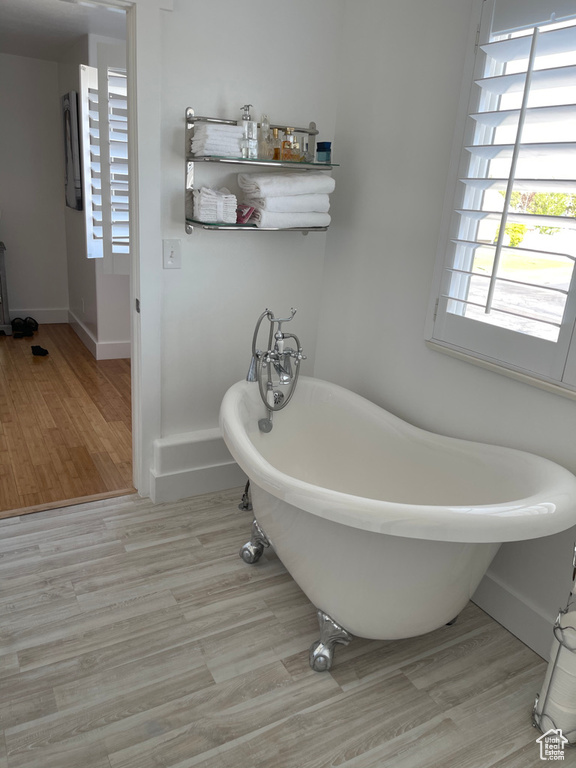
(387, 528)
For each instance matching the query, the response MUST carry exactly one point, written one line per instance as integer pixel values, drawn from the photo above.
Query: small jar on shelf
(276, 145)
(288, 144)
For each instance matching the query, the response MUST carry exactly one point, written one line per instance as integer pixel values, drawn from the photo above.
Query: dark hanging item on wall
(73, 178)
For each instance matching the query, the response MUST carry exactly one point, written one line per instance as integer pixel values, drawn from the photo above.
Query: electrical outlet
(171, 254)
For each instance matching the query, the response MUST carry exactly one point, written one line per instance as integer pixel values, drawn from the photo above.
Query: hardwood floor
(133, 636)
(65, 430)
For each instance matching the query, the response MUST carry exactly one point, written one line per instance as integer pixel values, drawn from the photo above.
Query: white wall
(400, 82)
(32, 188)
(113, 297)
(216, 58)
(228, 278)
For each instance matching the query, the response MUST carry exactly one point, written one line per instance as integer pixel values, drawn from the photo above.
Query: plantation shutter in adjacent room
(116, 172)
(104, 117)
(91, 169)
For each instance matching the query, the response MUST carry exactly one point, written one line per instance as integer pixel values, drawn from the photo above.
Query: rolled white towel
(287, 220)
(291, 203)
(281, 185)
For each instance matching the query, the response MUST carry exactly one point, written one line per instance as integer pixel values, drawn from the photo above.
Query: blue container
(324, 151)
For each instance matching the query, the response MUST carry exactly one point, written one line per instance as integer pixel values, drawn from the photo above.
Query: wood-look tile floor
(133, 636)
(65, 422)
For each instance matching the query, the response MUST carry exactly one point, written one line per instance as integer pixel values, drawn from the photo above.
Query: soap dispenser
(249, 141)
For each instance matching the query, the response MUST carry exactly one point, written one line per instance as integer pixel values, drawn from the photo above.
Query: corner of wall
(190, 464)
(515, 614)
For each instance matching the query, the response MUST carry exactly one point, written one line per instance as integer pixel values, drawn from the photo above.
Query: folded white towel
(216, 139)
(280, 185)
(287, 220)
(202, 130)
(218, 152)
(213, 206)
(217, 142)
(291, 203)
(228, 148)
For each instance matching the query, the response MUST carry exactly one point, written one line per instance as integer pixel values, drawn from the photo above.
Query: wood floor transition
(133, 636)
(65, 431)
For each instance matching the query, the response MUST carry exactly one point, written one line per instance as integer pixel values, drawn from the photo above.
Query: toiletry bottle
(249, 141)
(265, 140)
(287, 144)
(324, 151)
(296, 153)
(276, 145)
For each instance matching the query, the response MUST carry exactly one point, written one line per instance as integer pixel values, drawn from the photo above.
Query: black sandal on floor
(18, 328)
(31, 324)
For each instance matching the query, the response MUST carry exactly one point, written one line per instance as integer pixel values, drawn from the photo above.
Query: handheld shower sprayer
(274, 366)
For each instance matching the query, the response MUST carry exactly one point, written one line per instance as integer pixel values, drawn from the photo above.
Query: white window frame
(508, 351)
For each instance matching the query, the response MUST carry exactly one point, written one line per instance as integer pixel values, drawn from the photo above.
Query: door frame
(144, 65)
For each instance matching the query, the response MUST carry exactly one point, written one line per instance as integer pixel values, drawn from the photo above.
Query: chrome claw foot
(252, 551)
(322, 651)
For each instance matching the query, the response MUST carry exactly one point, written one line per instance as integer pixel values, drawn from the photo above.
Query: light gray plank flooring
(133, 636)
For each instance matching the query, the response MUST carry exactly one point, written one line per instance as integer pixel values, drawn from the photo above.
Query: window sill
(512, 373)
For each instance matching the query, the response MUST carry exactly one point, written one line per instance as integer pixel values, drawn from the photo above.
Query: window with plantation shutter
(105, 154)
(507, 292)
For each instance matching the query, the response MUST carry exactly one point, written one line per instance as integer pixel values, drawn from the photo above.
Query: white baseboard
(113, 350)
(102, 350)
(516, 614)
(42, 316)
(190, 464)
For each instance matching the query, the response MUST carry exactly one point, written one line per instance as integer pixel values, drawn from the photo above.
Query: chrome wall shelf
(248, 227)
(292, 164)
(191, 160)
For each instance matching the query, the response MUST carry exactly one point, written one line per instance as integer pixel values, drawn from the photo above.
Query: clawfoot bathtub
(387, 528)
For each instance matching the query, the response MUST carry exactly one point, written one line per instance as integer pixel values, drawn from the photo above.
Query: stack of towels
(288, 200)
(217, 139)
(215, 206)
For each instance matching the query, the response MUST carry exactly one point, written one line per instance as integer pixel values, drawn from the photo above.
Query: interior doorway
(65, 417)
